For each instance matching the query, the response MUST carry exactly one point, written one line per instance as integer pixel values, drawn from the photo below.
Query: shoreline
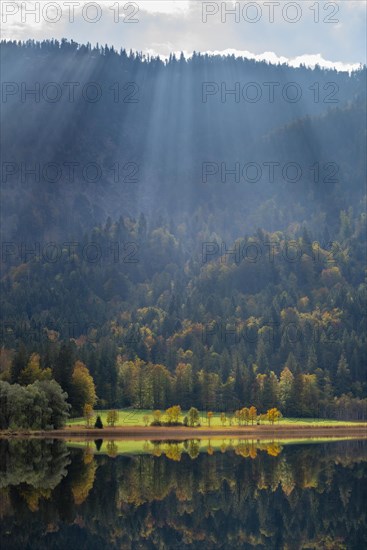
(182, 433)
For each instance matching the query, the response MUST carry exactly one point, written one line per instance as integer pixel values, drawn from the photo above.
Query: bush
(156, 423)
(98, 423)
(38, 406)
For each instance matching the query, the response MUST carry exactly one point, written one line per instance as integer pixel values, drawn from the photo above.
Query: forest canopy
(176, 276)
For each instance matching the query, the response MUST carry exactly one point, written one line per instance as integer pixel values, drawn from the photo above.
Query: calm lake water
(220, 494)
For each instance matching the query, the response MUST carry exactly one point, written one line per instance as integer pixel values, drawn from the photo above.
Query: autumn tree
(245, 415)
(209, 414)
(273, 415)
(83, 390)
(285, 388)
(88, 413)
(173, 414)
(252, 414)
(112, 417)
(157, 415)
(193, 417)
(33, 371)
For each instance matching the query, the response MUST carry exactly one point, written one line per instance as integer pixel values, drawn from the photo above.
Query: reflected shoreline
(175, 449)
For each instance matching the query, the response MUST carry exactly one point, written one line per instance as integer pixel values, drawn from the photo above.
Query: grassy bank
(135, 417)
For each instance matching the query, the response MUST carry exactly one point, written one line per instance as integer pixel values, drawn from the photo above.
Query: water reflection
(175, 449)
(238, 494)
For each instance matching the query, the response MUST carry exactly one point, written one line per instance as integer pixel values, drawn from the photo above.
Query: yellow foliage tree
(252, 414)
(33, 371)
(273, 415)
(245, 415)
(88, 413)
(209, 414)
(83, 387)
(112, 417)
(173, 413)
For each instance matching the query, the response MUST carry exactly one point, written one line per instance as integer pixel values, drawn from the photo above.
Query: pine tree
(343, 378)
(98, 423)
(19, 363)
(63, 368)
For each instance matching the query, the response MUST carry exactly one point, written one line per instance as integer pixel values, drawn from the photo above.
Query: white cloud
(164, 6)
(316, 59)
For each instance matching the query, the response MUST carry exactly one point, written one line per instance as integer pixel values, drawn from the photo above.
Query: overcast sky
(331, 33)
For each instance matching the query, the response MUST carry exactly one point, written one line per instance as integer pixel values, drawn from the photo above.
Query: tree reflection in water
(235, 494)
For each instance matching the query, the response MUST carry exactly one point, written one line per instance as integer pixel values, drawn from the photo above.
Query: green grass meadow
(135, 417)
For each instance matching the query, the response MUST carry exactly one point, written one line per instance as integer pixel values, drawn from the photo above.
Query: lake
(180, 495)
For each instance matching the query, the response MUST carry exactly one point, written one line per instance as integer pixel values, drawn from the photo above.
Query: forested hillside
(186, 247)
